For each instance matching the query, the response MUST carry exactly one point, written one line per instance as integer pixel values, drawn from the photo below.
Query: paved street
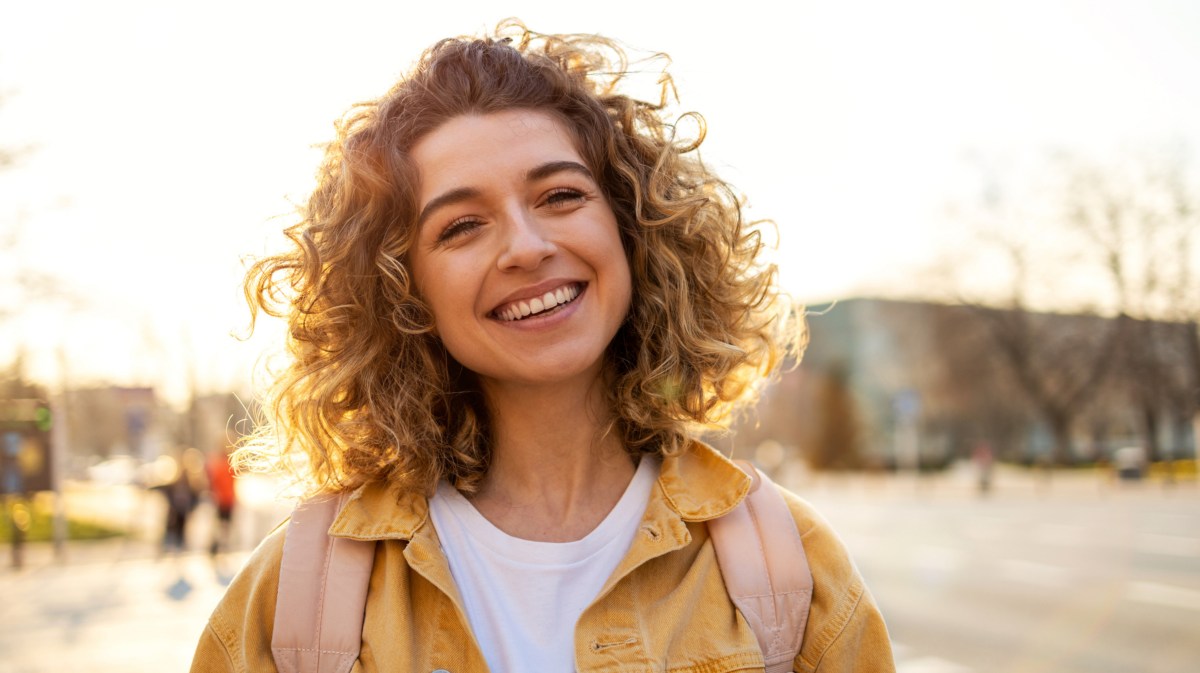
(108, 613)
(1079, 576)
(116, 605)
(1082, 577)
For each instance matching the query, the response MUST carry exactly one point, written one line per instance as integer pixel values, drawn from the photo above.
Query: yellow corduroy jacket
(665, 607)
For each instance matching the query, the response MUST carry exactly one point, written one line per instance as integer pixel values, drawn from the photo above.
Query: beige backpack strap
(322, 592)
(765, 569)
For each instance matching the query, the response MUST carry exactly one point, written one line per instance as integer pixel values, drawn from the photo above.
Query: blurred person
(222, 488)
(181, 490)
(515, 297)
(984, 460)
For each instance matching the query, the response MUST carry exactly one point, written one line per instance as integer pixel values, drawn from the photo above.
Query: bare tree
(1114, 244)
(968, 392)
(1140, 221)
(26, 286)
(1057, 362)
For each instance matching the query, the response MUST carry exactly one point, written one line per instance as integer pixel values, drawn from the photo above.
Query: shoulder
(845, 630)
(830, 561)
(238, 634)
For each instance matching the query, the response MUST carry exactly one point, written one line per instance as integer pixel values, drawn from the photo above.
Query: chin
(551, 372)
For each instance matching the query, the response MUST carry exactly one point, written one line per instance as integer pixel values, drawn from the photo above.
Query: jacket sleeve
(237, 638)
(211, 654)
(845, 631)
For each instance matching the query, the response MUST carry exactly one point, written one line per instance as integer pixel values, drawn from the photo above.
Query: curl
(370, 395)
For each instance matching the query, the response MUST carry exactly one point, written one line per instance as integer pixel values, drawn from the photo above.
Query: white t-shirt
(523, 598)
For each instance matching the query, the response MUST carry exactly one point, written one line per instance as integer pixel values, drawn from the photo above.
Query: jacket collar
(378, 511)
(697, 484)
(701, 484)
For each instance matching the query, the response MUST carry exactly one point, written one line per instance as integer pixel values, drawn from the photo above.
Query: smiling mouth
(549, 302)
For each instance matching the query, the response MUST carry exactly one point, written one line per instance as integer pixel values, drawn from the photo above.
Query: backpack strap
(318, 613)
(765, 569)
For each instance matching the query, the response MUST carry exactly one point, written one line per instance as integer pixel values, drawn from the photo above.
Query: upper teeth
(528, 307)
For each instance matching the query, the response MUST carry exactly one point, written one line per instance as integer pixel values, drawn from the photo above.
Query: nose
(525, 244)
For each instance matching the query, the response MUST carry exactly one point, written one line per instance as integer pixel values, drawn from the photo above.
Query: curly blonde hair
(370, 393)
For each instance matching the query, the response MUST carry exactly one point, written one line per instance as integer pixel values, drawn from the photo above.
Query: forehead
(481, 148)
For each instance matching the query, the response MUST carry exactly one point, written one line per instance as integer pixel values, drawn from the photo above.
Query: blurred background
(991, 209)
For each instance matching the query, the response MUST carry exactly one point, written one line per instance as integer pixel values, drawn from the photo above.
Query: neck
(555, 474)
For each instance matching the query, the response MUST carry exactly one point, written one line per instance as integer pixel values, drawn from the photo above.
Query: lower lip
(548, 319)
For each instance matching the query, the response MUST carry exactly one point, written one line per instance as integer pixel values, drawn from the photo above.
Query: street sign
(25, 446)
(907, 404)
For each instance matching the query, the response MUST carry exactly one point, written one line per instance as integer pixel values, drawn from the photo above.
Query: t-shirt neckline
(632, 504)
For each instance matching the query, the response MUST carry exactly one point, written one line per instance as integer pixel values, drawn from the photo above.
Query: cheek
(442, 284)
(450, 293)
(618, 263)
(426, 286)
(627, 289)
(444, 305)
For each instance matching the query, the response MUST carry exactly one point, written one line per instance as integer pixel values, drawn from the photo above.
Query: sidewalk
(112, 607)
(119, 605)
(960, 482)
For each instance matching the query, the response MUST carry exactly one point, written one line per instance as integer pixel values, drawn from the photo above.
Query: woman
(513, 297)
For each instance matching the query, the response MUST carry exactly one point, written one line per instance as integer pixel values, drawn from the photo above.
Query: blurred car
(117, 470)
(1130, 462)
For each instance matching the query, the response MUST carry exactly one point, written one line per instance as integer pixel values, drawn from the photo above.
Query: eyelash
(573, 196)
(559, 197)
(457, 228)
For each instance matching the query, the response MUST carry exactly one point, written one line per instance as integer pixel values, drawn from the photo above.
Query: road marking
(1057, 533)
(985, 530)
(938, 563)
(1038, 574)
(1164, 594)
(939, 558)
(907, 663)
(1168, 545)
(930, 665)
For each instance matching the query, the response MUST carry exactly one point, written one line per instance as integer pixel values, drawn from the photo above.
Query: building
(888, 384)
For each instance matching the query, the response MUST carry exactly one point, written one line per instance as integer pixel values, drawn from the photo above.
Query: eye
(459, 227)
(562, 197)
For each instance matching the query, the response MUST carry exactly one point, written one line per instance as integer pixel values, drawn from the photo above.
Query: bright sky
(169, 137)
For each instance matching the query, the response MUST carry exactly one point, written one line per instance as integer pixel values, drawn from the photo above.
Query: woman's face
(517, 253)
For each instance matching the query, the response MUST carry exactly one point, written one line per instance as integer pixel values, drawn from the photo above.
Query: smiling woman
(705, 323)
(513, 299)
(529, 221)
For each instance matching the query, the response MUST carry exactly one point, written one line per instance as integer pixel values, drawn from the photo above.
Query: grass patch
(38, 524)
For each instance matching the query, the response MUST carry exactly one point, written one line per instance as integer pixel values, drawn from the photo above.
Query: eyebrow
(550, 168)
(539, 172)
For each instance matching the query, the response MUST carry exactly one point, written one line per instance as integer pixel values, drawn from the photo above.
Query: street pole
(906, 405)
(58, 457)
(1196, 440)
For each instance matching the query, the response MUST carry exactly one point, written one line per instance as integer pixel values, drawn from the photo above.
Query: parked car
(1130, 462)
(115, 471)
